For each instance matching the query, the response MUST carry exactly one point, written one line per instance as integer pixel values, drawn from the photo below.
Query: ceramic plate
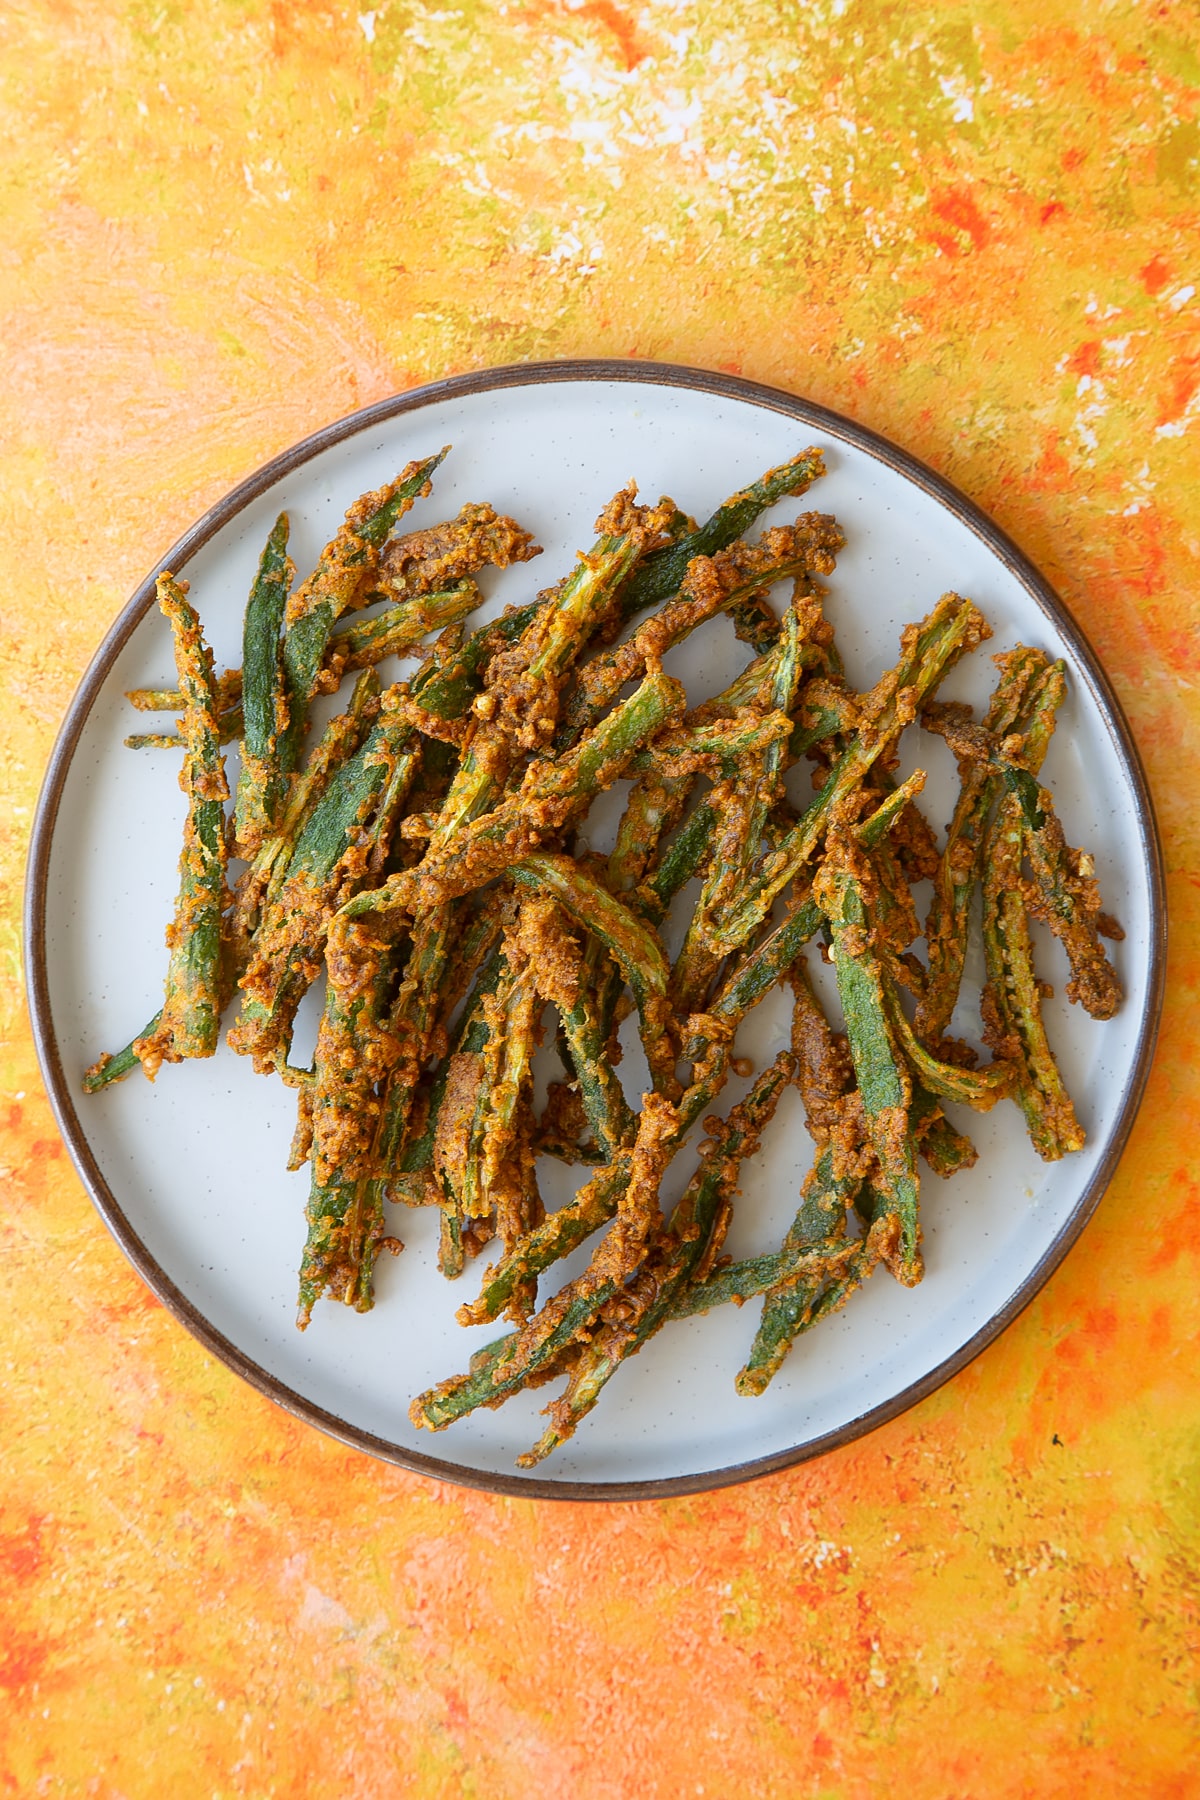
(189, 1173)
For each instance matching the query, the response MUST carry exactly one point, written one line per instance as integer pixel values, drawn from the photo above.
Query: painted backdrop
(972, 226)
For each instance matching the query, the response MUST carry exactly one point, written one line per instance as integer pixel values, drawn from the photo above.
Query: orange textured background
(972, 226)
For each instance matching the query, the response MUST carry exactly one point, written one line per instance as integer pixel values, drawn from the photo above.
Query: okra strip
(1066, 898)
(330, 862)
(595, 1203)
(345, 1214)
(1012, 999)
(519, 709)
(585, 1033)
(815, 1251)
(634, 945)
(662, 573)
(721, 745)
(229, 727)
(958, 867)
(685, 1244)
(977, 1088)
(556, 1327)
(719, 583)
(928, 650)
(655, 804)
(736, 852)
(341, 738)
(796, 1305)
(401, 628)
(551, 794)
(108, 1069)
(409, 1177)
(229, 694)
(262, 784)
(317, 605)
(883, 1078)
(197, 970)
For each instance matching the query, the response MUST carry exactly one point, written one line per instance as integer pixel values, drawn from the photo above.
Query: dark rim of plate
(821, 421)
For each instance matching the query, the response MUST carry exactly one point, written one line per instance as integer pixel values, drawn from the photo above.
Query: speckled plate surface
(189, 1173)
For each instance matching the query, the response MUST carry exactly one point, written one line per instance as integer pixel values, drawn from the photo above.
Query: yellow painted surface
(971, 226)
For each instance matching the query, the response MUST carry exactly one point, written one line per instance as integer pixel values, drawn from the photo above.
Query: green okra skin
(415, 1156)
(722, 743)
(680, 1248)
(109, 1069)
(733, 582)
(958, 869)
(229, 727)
(345, 1212)
(343, 735)
(815, 1250)
(730, 1283)
(797, 1307)
(448, 695)
(1012, 998)
(345, 1235)
(315, 608)
(681, 860)
(883, 1078)
(197, 971)
(953, 627)
(552, 793)
(633, 944)
(662, 572)
(977, 1088)
(401, 628)
(595, 1204)
(262, 784)
(585, 1034)
(330, 861)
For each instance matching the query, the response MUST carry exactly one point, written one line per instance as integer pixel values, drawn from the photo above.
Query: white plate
(189, 1173)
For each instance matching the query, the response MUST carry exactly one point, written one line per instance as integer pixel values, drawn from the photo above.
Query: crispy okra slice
(743, 806)
(556, 1327)
(883, 1078)
(1013, 1024)
(551, 794)
(317, 604)
(927, 651)
(1064, 896)
(633, 945)
(957, 874)
(440, 557)
(401, 629)
(709, 1049)
(263, 784)
(662, 573)
(712, 584)
(330, 862)
(796, 1304)
(198, 967)
(518, 709)
(345, 1212)
(685, 1245)
(411, 1175)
